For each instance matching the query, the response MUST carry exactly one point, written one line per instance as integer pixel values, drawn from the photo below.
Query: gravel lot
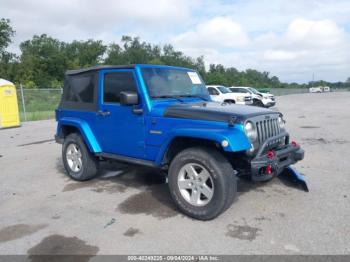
(127, 211)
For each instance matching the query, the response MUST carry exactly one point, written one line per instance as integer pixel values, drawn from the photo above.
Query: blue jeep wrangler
(162, 116)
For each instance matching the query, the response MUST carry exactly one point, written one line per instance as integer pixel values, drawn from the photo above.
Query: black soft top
(99, 67)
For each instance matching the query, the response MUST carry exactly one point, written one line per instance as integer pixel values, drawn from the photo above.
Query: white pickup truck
(223, 94)
(259, 99)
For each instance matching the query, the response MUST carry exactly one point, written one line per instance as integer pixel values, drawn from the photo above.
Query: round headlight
(281, 122)
(250, 131)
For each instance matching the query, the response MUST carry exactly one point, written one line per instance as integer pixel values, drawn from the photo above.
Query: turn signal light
(294, 143)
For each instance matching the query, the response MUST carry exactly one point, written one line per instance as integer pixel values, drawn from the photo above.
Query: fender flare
(237, 140)
(85, 130)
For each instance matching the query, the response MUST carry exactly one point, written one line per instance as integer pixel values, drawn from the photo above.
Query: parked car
(162, 117)
(315, 90)
(223, 94)
(259, 99)
(320, 89)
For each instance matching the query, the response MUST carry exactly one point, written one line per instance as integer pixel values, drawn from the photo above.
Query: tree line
(43, 61)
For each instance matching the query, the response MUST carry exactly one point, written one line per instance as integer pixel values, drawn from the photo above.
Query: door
(214, 94)
(119, 130)
(9, 115)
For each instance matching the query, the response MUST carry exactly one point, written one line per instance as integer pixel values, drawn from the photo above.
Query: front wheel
(258, 103)
(202, 182)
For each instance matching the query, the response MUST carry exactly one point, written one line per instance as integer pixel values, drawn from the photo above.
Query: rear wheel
(230, 101)
(202, 182)
(79, 163)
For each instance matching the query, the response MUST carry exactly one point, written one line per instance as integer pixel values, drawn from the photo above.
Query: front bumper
(269, 163)
(269, 103)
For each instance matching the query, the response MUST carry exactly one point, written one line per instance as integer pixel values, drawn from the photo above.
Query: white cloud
(310, 46)
(291, 39)
(82, 19)
(321, 33)
(279, 55)
(217, 32)
(304, 47)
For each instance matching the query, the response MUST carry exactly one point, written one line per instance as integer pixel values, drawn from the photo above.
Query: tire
(258, 103)
(78, 162)
(221, 180)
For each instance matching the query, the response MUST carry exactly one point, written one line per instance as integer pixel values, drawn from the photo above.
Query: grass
(40, 104)
(38, 115)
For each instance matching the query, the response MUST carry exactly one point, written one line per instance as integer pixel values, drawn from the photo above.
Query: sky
(290, 39)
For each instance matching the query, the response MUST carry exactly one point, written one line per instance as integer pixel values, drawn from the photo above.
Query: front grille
(268, 128)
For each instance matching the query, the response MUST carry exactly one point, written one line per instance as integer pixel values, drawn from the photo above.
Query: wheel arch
(230, 101)
(70, 125)
(256, 99)
(185, 137)
(180, 143)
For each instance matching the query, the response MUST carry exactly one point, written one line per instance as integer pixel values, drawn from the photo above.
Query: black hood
(213, 111)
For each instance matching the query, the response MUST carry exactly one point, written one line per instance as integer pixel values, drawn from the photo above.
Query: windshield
(224, 90)
(254, 90)
(168, 83)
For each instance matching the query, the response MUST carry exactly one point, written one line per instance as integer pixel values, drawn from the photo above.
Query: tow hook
(270, 155)
(297, 178)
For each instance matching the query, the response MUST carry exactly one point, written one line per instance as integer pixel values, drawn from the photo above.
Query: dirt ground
(126, 210)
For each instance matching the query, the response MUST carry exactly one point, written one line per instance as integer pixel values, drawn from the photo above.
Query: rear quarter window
(80, 91)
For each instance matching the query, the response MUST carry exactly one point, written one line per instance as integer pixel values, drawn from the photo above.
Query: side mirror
(129, 98)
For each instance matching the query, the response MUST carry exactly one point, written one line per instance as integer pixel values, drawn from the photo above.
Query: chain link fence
(38, 104)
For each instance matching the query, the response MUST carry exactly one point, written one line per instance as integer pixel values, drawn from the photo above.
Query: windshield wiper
(168, 96)
(196, 96)
(178, 97)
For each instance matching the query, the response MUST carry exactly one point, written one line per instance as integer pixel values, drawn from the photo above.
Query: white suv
(259, 99)
(224, 94)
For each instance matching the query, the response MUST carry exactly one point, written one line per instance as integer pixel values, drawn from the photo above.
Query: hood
(267, 95)
(212, 111)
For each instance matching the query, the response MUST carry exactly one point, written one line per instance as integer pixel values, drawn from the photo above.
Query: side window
(242, 90)
(234, 90)
(80, 88)
(114, 83)
(213, 91)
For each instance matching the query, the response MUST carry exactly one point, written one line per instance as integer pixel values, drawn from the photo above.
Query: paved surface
(126, 211)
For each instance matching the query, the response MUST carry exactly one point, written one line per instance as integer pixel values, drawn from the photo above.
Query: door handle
(103, 113)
